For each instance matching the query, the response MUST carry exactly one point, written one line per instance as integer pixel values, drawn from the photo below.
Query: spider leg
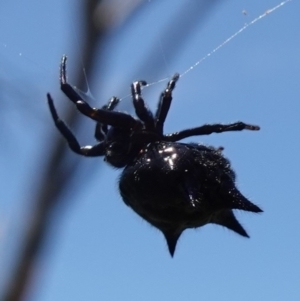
(64, 85)
(99, 131)
(209, 129)
(89, 151)
(164, 104)
(113, 118)
(141, 110)
(101, 128)
(103, 116)
(112, 103)
(69, 91)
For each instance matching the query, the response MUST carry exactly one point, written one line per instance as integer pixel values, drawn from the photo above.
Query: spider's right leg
(164, 104)
(89, 151)
(101, 128)
(112, 103)
(141, 109)
(208, 129)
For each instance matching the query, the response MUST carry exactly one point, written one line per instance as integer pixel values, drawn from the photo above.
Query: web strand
(267, 12)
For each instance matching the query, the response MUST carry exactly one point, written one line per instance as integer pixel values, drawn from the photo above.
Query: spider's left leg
(113, 118)
(89, 151)
(141, 110)
(64, 85)
(164, 104)
(100, 115)
(209, 129)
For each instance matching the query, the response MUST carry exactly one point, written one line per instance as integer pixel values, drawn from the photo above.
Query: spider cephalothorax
(172, 185)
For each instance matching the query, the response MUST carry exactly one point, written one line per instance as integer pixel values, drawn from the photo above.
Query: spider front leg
(164, 104)
(103, 116)
(209, 129)
(69, 91)
(64, 85)
(90, 151)
(141, 110)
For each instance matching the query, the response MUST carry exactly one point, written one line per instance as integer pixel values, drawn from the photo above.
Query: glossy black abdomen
(175, 182)
(175, 186)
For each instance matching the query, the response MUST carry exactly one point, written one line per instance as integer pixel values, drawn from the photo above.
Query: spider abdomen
(175, 186)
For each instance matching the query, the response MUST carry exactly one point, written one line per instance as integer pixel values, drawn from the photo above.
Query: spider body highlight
(172, 185)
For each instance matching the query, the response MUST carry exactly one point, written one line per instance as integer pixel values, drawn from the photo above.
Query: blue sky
(101, 250)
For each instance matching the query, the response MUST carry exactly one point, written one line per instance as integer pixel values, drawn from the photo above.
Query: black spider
(172, 185)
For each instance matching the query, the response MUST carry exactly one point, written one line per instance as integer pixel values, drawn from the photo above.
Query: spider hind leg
(208, 129)
(90, 151)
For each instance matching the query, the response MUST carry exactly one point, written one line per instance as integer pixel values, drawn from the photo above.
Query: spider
(172, 185)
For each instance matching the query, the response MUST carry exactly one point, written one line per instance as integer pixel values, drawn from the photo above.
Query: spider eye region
(117, 147)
